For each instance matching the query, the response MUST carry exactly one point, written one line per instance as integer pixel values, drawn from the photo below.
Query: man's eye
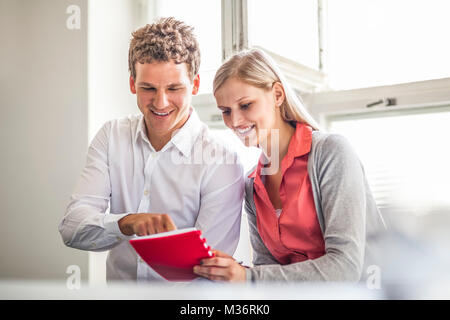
(148, 88)
(245, 106)
(174, 89)
(225, 111)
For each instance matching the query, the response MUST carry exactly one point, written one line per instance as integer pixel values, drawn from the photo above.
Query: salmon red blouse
(295, 235)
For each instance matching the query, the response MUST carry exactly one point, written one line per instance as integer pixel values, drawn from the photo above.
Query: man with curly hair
(131, 162)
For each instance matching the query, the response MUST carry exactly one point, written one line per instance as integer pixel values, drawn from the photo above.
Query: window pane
(406, 159)
(285, 27)
(205, 17)
(384, 42)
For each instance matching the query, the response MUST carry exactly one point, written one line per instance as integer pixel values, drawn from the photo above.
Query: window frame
(235, 38)
(390, 205)
(411, 96)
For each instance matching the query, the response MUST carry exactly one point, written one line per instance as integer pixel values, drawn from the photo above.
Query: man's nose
(161, 100)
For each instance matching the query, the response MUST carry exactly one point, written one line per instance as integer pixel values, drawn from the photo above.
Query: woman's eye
(245, 106)
(226, 112)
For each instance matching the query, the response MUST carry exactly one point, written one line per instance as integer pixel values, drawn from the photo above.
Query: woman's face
(249, 111)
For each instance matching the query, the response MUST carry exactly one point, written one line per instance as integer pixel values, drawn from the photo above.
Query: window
(405, 158)
(374, 43)
(292, 32)
(287, 28)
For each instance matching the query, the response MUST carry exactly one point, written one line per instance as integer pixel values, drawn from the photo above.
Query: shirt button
(118, 238)
(145, 192)
(93, 244)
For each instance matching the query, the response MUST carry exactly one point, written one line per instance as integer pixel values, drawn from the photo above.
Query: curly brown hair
(166, 39)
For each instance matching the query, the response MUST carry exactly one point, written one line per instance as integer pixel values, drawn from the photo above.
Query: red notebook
(173, 254)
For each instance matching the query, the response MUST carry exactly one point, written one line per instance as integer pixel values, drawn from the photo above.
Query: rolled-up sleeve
(86, 225)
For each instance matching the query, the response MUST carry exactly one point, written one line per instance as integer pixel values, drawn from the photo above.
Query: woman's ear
(278, 93)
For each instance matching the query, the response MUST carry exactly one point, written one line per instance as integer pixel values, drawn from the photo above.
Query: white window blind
(406, 156)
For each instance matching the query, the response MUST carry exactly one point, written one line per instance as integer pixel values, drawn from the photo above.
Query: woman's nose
(236, 119)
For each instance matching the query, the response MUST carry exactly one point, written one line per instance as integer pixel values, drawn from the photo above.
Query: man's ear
(196, 83)
(278, 93)
(132, 85)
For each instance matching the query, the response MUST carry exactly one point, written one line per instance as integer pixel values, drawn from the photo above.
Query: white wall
(110, 23)
(58, 86)
(43, 134)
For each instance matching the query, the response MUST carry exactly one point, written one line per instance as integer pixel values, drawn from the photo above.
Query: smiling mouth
(161, 114)
(244, 131)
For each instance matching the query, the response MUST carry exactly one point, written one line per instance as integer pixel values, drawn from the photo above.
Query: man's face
(164, 92)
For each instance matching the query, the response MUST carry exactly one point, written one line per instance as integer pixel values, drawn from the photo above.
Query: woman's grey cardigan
(347, 214)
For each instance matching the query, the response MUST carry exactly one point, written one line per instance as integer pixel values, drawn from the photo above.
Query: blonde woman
(311, 214)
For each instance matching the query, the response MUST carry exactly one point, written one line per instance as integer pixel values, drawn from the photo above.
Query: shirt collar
(183, 140)
(257, 169)
(186, 136)
(299, 145)
(141, 131)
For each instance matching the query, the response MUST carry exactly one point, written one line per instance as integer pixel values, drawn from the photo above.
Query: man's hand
(143, 224)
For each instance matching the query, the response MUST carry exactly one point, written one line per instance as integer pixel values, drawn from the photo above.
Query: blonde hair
(258, 69)
(166, 39)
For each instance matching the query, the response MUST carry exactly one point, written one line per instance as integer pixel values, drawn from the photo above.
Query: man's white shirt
(194, 178)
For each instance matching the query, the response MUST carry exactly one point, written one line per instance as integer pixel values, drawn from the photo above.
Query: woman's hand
(221, 267)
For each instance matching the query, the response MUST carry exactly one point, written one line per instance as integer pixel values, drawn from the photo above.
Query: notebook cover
(173, 256)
